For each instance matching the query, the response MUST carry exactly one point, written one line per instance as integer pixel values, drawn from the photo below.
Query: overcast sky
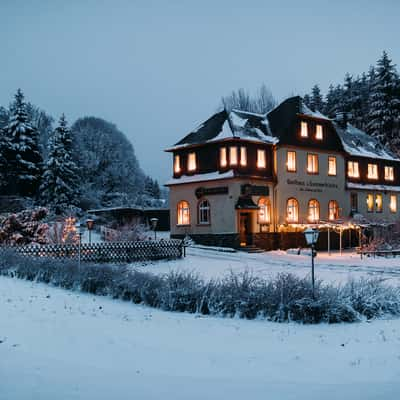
(158, 68)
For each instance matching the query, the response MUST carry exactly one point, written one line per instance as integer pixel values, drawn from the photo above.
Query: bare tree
(240, 99)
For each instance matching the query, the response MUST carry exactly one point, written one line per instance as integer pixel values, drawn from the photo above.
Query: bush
(283, 298)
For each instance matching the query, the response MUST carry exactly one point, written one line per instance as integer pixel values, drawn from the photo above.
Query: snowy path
(56, 344)
(334, 268)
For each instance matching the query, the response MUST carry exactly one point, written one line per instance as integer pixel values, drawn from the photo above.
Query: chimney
(341, 119)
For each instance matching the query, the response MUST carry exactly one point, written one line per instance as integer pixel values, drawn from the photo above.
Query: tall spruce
(21, 151)
(384, 115)
(316, 100)
(60, 184)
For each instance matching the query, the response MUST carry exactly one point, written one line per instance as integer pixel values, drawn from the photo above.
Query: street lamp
(89, 225)
(80, 228)
(154, 222)
(311, 239)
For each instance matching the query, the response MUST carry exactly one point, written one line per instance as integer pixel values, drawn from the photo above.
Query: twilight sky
(158, 68)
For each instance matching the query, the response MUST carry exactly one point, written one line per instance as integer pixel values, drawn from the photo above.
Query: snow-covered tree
(22, 151)
(384, 115)
(3, 161)
(60, 182)
(316, 100)
(334, 101)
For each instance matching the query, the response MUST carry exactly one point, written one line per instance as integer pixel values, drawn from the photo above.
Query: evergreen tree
(316, 100)
(59, 188)
(3, 161)
(307, 100)
(384, 115)
(21, 151)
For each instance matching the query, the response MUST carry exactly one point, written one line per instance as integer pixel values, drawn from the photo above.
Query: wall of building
(304, 187)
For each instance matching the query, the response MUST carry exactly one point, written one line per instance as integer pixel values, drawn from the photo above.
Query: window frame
(303, 129)
(335, 162)
(264, 152)
(223, 156)
(378, 209)
(194, 159)
(233, 154)
(353, 196)
(374, 168)
(389, 177)
(294, 207)
(393, 196)
(243, 156)
(287, 161)
(177, 164)
(207, 209)
(319, 131)
(264, 203)
(318, 208)
(337, 214)
(178, 213)
(353, 163)
(317, 163)
(370, 196)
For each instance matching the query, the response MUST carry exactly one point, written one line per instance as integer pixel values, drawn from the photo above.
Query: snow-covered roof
(235, 124)
(358, 143)
(307, 111)
(212, 176)
(381, 188)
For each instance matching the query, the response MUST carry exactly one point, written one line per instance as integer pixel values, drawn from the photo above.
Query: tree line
(369, 101)
(90, 164)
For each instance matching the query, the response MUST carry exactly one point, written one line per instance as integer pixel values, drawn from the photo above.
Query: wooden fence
(115, 252)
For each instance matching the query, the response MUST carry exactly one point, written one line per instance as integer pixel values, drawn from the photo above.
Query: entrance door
(244, 229)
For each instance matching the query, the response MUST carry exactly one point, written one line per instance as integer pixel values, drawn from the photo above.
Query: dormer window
(177, 164)
(233, 155)
(352, 169)
(372, 171)
(223, 161)
(389, 173)
(303, 129)
(243, 156)
(261, 159)
(319, 134)
(191, 165)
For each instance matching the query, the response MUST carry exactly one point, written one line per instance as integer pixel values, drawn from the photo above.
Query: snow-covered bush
(283, 298)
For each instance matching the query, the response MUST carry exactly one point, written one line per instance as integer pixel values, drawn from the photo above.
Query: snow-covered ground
(330, 268)
(57, 344)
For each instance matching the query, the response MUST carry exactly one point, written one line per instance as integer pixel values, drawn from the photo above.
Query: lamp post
(80, 228)
(311, 239)
(154, 222)
(89, 225)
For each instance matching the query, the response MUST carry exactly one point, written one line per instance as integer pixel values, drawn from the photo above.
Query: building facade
(244, 179)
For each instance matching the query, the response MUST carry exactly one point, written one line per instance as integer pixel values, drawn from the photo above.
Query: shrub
(283, 298)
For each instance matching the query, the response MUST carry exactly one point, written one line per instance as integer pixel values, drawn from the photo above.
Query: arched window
(292, 211)
(204, 212)
(333, 208)
(183, 213)
(313, 211)
(264, 211)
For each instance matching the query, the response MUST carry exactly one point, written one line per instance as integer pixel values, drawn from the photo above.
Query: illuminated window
(333, 208)
(292, 211)
(393, 203)
(332, 165)
(352, 169)
(233, 155)
(177, 164)
(372, 171)
(312, 163)
(354, 202)
(370, 202)
(261, 159)
(291, 161)
(389, 173)
(303, 129)
(223, 162)
(183, 213)
(204, 212)
(192, 162)
(313, 211)
(319, 134)
(264, 211)
(378, 202)
(243, 156)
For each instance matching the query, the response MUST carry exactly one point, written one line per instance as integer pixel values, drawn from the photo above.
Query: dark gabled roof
(224, 125)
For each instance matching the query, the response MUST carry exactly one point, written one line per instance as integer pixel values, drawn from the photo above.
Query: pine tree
(316, 100)
(59, 188)
(3, 161)
(334, 101)
(22, 151)
(384, 115)
(307, 100)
